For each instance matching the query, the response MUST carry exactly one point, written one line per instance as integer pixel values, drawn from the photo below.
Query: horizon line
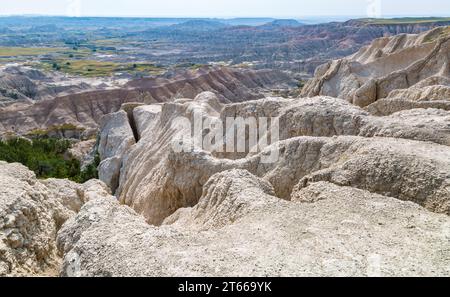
(226, 17)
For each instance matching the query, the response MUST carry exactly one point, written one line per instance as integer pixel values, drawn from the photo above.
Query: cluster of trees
(47, 158)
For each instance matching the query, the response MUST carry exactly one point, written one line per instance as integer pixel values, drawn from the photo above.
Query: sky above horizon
(226, 8)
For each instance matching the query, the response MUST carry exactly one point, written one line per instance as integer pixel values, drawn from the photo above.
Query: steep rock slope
(408, 70)
(348, 194)
(22, 83)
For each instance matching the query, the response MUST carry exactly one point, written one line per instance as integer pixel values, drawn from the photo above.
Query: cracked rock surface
(31, 213)
(239, 228)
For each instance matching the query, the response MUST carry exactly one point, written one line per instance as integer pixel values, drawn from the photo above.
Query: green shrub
(300, 84)
(90, 171)
(45, 156)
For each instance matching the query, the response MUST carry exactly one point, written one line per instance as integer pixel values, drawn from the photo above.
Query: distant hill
(246, 21)
(30, 21)
(259, 43)
(284, 23)
(200, 25)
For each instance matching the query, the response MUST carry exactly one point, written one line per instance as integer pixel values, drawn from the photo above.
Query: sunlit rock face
(411, 71)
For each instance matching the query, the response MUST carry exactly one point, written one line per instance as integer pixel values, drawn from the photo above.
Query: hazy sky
(226, 8)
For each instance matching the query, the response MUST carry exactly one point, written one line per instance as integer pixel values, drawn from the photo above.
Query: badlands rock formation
(240, 228)
(31, 213)
(156, 180)
(116, 137)
(343, 191)
(350, 194)
(84, 109)
(25, 84)
(392, 74)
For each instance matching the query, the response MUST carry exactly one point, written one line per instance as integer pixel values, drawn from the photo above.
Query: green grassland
(74, 60)
(93, 68)
(27, 51)
(400, 21)
(29, 54)
(77, 59)
(108, 42)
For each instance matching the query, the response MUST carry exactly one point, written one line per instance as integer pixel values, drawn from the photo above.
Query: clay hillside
(84, 108)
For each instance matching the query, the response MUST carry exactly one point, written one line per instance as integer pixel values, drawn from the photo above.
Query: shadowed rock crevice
(129, 109)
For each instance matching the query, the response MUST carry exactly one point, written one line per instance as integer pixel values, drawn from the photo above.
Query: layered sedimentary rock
(31, 213)
(84, 109)
(407, 71)
(22, 83)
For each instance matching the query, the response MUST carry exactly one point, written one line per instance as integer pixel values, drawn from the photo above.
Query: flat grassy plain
(79, 61)
(28, 51)
(29, 54)
(93, 68)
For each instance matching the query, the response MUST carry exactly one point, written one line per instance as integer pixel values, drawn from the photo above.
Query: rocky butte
(361, 186)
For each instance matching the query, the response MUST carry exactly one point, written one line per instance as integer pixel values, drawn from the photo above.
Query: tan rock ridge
(409, 68)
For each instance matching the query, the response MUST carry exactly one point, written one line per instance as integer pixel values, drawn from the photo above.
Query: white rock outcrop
(31, 213)
(239, 228)
(406, 68)
(156, 180)
(116, 137)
